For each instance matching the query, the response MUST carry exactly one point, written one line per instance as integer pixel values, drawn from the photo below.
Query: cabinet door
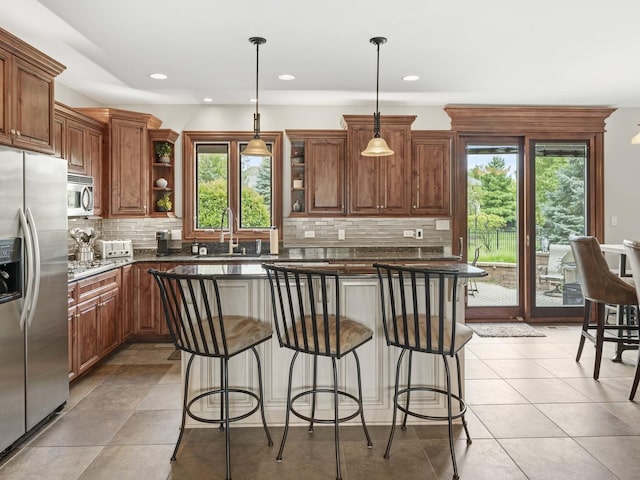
(325, 175)
(126, 297)
(394, 192)
(59, 143)
(87, 334)
(33, 119)
(363, 174)
(431, 181)
(5, 98)
(109, 327)
(93, 156)
(128, 183)
(76, 148)
(148, 310)
(73, 365)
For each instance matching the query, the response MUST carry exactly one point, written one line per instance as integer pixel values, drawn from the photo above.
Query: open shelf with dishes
(162, 171)
(297, 177)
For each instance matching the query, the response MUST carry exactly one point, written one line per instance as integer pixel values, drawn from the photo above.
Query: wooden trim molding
(512, 120)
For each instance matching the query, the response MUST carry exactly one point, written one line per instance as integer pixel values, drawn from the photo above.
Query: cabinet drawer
(71, 294)
(97, 285)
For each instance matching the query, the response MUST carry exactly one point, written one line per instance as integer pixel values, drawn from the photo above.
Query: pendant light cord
(257, 73)
(257, 41)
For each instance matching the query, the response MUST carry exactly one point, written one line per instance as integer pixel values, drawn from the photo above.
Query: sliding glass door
(523, 201)
(494, 230)
(559, 210)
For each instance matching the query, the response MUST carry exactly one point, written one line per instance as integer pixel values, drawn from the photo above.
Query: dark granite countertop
(349, 260)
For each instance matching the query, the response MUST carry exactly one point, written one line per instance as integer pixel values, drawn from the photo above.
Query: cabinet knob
(12, 131)
(415, 206)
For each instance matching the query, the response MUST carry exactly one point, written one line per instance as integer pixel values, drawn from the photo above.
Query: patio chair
(554, 273)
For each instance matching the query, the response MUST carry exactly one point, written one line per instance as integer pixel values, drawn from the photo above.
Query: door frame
(559, 123)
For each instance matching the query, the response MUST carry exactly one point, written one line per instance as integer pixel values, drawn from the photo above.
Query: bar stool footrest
(440, 391)
(321, 420)
(220, 392)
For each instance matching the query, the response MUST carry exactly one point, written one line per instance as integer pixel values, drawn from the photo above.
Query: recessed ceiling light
(158, 76)
(253, 100)
(207, 99)
(286, 76)
(410, 78)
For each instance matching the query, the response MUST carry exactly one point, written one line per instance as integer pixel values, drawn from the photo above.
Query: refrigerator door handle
(36, 263)
(29, 275)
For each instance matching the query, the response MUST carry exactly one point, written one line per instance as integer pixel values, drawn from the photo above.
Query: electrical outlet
(407, 233)
(341, 235)
(419, 234)
(309, 234)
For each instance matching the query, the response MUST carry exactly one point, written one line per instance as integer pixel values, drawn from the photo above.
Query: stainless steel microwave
(79, 195)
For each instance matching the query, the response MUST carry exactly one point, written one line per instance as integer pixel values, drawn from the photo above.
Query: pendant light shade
(636, 139)
(377, 147)
(256, 146)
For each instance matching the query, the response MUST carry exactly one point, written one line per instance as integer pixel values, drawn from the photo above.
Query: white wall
(622, 176)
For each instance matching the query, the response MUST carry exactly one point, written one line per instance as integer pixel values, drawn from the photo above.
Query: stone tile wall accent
(363, 232)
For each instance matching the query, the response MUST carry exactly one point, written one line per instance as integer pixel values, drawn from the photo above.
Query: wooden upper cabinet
(78, 139)
(431, 173)
(26, 95)
(379, 185)
(125, 161)
(325, 175)
(318, 163)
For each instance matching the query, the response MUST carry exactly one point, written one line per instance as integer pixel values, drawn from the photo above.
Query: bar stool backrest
(193, 313)
(417, 316)
(632, 247)
(306, 309)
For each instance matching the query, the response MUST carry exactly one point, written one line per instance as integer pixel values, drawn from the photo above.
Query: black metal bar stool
(307, 317)
(197, 327)
(416, 318)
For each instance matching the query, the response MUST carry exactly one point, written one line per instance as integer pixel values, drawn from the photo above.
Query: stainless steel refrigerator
(34, 368)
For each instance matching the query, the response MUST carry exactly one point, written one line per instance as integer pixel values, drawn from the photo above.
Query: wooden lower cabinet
(148, 313)
(95, 321)
(87, 334)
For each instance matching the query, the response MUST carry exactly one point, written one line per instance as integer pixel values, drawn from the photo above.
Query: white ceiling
(547, 52)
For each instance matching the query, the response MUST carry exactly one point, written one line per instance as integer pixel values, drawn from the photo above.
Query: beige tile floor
(534, 414)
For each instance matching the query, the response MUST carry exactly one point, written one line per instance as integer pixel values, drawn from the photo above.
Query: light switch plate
(341, 235)
(309, 234)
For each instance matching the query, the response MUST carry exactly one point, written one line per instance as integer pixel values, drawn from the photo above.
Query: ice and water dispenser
(10, 269)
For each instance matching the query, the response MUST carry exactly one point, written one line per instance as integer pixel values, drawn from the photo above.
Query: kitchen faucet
(229, 213)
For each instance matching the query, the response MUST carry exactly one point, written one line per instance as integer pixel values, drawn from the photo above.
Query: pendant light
(636, 139)
(256, 146)
(377, 147)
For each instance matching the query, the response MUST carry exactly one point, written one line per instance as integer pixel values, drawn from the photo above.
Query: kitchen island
(244, 291)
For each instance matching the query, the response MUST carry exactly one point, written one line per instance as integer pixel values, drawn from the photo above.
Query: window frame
(189, 141)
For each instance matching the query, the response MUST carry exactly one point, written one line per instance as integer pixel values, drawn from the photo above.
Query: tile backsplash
(141, 231)
(358, 232)
(364, 232)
